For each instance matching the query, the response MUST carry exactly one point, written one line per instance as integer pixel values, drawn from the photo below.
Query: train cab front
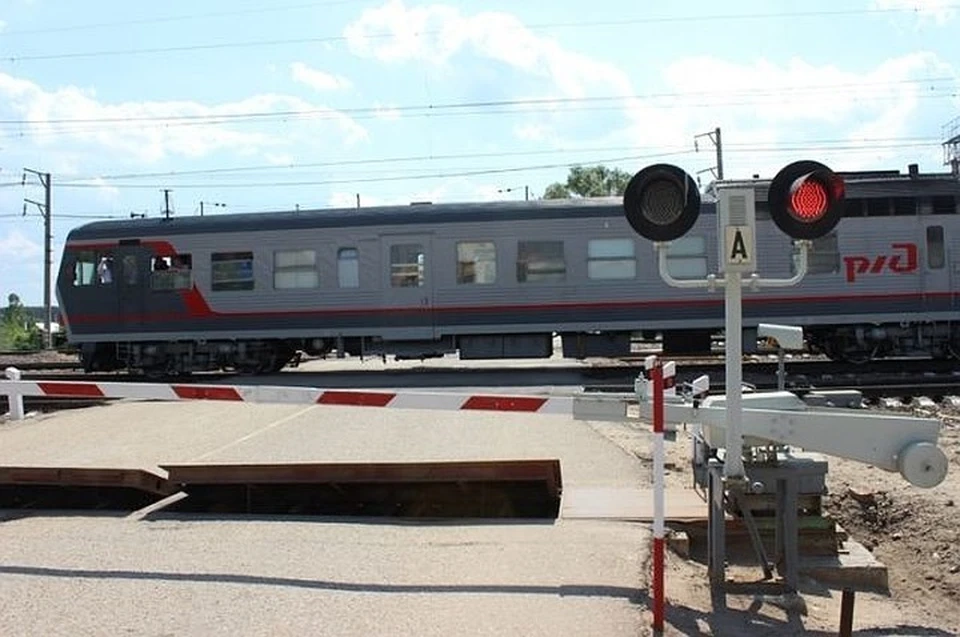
(90, 302)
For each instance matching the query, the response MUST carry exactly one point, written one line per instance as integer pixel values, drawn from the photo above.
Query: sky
(252, 105)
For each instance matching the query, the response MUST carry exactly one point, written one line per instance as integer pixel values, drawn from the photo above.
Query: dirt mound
(914, 532)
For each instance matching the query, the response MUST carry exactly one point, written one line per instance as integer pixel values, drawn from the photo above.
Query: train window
(84, 269)
(611, 259)
(231, 271)
(171, 272)
(348, 268)
(943, 205)
(295, 269)
(540, 261)
(904, 206)
(878, 207)
(406, 265)
(476, 262)
(936, 256)
(824, 255)
(687, 257)
(853, 208)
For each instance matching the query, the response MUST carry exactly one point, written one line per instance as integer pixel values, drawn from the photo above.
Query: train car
(498, 280)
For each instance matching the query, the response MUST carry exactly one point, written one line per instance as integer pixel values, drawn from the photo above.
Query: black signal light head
(661, 202)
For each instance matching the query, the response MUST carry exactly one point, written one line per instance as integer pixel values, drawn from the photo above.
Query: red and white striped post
(659, 531)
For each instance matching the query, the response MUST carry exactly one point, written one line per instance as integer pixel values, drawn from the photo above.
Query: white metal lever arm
(889, 441)
(661, 248)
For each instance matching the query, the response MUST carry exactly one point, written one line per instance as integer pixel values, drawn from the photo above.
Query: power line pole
(47, 213)
(714, 136)
(166, 203)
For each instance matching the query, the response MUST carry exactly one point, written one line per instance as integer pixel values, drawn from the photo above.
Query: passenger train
(499, 280)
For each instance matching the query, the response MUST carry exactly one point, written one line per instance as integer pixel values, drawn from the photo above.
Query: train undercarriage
(866, 342)
(848, 343)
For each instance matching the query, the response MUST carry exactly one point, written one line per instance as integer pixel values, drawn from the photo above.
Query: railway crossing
(742, 442)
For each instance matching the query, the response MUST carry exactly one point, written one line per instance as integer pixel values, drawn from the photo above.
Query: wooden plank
(545, 471)
(84, 477)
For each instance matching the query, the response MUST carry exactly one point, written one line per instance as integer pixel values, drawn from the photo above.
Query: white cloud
(765, 103)
(317, 79)
(16, 246)
(796, 91)
(143, 129)
(939, 11)
(279, 159)
(106, 191)
(534, 132)
(436, 33)
(762, 103)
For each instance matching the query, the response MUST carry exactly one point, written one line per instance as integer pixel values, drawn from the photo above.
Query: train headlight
(661, 202)
(806, 199)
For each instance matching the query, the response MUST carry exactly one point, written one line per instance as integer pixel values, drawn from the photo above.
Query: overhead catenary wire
(376, 178)
(619, 23)
(953, 83)
(861, 144)
(476, 172)
(899, 142)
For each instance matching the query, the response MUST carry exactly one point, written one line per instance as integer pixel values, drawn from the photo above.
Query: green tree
(590, 181)
(17, 329)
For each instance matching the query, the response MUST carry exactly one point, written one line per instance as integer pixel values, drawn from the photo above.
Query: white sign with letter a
(738, 246)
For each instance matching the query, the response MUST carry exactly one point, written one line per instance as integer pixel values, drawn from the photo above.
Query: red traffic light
(806, 199)
(661, 202)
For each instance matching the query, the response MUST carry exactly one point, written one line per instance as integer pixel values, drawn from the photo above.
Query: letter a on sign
(738, 245)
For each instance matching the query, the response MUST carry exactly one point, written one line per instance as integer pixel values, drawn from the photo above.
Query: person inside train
(105, 270)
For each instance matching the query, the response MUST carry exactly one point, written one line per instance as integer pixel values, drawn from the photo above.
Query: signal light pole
(661, 203)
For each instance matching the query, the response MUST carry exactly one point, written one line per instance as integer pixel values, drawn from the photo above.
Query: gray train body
(498, 280)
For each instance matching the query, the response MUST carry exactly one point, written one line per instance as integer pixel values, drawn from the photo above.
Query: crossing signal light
(661, 202)
(806, 199)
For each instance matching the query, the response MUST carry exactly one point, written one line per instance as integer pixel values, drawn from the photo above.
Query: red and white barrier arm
(586, 407)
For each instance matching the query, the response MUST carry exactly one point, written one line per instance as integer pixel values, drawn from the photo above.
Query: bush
(17, 329)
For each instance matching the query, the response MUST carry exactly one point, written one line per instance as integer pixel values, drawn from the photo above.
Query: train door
(408, 289)
(131, 282)
(935, 267)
